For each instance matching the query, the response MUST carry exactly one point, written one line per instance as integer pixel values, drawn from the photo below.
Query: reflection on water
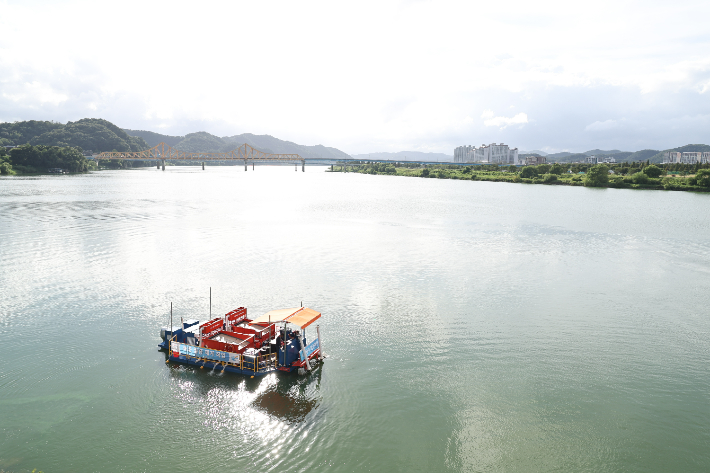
(258, 413)
(282, 396)
(291, 399)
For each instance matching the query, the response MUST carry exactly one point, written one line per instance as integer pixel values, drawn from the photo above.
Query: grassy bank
(623, 176)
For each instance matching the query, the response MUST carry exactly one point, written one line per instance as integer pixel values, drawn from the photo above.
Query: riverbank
(641, 176)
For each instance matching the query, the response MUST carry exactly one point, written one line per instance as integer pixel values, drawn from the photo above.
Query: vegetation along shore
(629, 175)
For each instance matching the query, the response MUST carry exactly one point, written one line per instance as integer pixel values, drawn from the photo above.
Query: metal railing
(255, 363)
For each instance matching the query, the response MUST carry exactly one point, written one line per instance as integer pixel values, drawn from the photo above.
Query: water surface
(470, 326)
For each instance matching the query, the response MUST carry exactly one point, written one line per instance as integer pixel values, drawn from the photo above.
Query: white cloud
(365, 75)
(491, 120)
(602, 126)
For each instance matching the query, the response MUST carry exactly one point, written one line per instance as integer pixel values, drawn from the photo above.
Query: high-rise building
(686, 157)
(597, 160)
(491, 154)
(464, 154)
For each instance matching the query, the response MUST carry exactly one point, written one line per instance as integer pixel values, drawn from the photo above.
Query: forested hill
(89, 134)
(620, 156)
(204, 142)
(407, 156)
(153, 138)
(278, 146)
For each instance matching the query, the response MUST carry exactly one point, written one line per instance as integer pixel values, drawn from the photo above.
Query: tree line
(28, 158)
(623, 175)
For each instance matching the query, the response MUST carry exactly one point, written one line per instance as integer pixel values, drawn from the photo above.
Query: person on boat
(297, 341)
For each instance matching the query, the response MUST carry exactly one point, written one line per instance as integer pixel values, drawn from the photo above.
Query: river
(469, 326)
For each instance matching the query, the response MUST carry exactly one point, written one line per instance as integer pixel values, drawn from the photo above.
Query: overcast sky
(369, 76)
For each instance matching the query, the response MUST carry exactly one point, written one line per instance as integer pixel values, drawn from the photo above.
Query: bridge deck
(166, 152)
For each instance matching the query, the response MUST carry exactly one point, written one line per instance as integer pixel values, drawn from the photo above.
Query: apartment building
(596, 160)
(464, 154)
(686, 157)
(491, 154)
(535, 160)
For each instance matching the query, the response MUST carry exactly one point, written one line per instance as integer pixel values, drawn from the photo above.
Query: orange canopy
(304, 318)
(277, 315)
(301, 316)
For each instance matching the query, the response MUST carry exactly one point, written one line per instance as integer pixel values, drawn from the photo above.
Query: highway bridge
(163, 152)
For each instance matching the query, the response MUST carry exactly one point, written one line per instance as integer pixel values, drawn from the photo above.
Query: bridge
(163, 151)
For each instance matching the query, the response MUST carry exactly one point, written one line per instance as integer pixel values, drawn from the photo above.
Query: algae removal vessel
(275, 341)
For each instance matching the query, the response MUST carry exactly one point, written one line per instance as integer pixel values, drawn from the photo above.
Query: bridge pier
(252, 165)
(303, 166)
(157, 164)
(163, 165)
(245, 164)
(203, 165)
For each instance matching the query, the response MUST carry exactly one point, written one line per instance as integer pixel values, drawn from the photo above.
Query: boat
(275, 341)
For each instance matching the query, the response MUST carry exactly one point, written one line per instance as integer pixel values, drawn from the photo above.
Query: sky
(368, 76)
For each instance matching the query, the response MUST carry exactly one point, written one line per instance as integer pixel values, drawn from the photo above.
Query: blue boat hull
(217, 366)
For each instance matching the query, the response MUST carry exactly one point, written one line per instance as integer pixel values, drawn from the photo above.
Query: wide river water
(470, 326)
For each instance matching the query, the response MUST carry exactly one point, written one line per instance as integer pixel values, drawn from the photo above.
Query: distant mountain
(203, 142)
(566, 158)
(601, 152)
(154, 139)
(557, 156)
(619, 156)
(407, 156)
(535, 152)
(643, 155)
(269, 144)
(93, 134)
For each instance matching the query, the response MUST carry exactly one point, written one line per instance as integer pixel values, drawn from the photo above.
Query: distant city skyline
(368, 76)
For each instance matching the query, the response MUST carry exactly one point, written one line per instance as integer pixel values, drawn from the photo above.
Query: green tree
(5, 164)
(543, 168)
(702, 177)
(43, 157)
(653, 171)
(556, 169)
(528, 172)
(639, 178)
(671, 183)
(597, 176)
(425, 173)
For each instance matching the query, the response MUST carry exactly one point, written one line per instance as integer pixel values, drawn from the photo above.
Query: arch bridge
(163, 151)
